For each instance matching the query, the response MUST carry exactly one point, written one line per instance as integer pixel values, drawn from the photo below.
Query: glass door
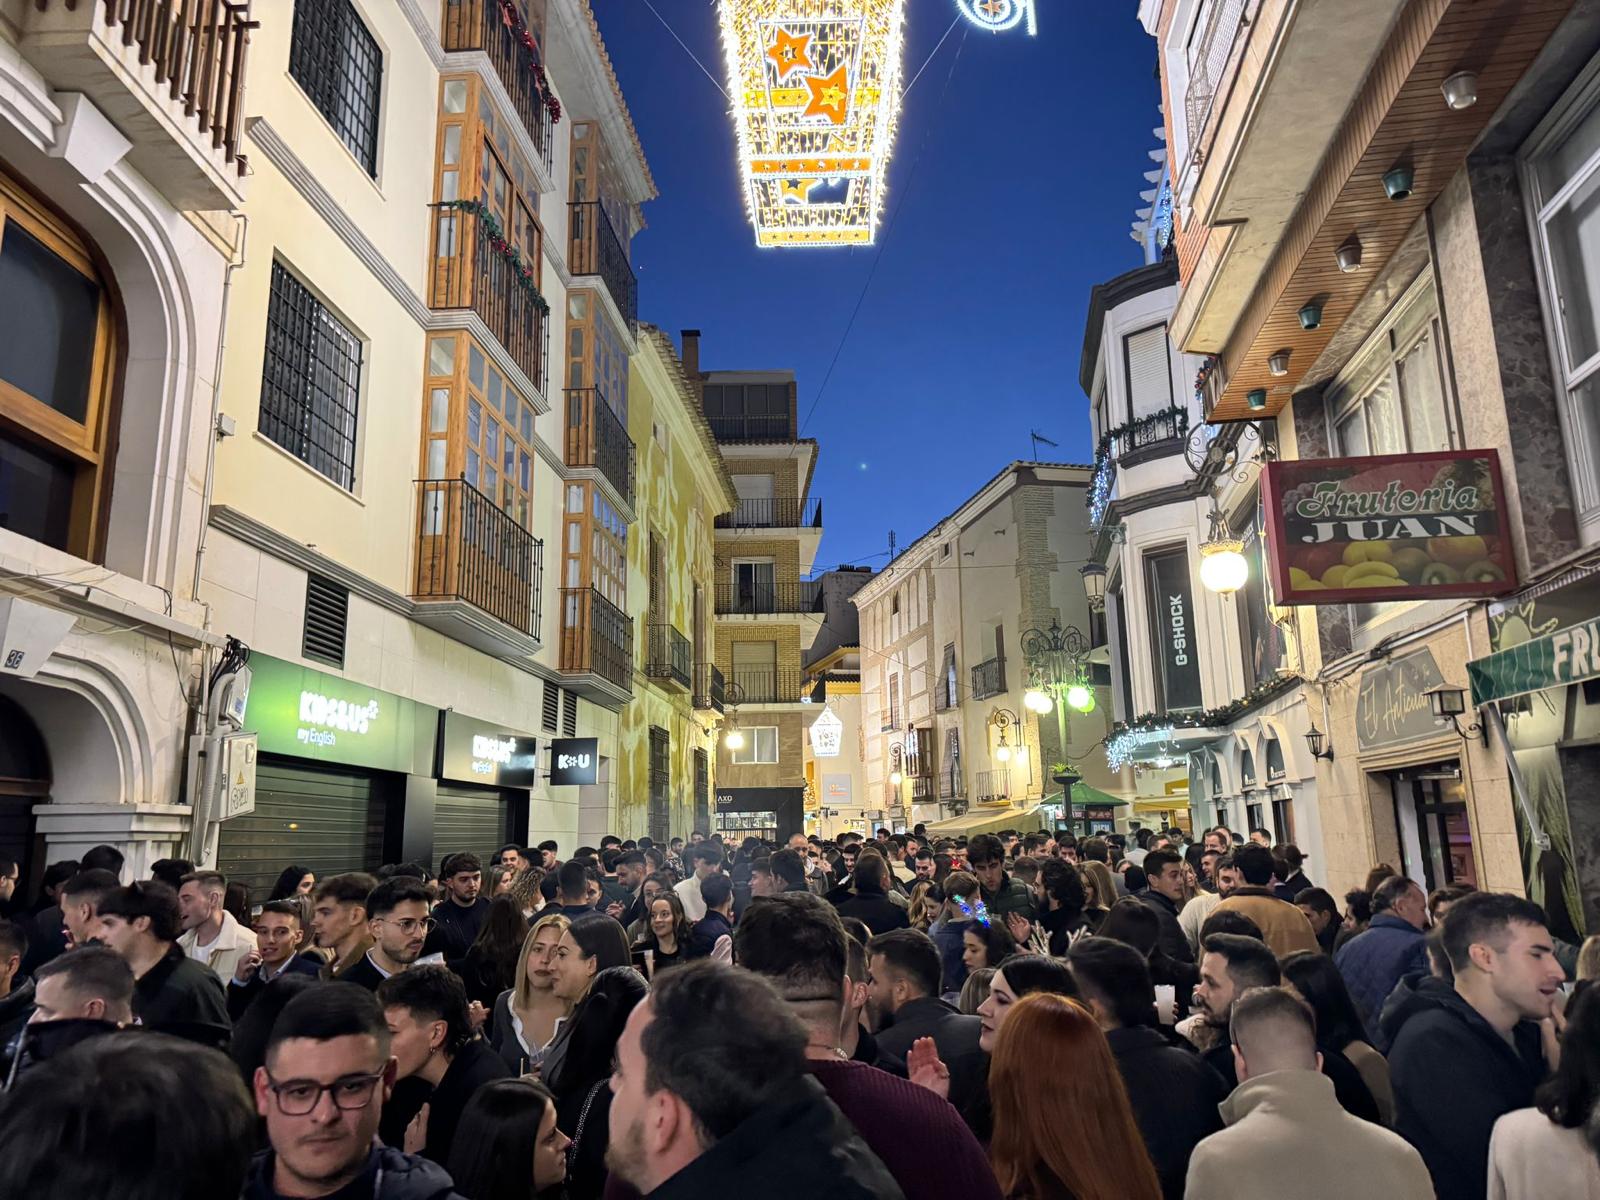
(1435, 832)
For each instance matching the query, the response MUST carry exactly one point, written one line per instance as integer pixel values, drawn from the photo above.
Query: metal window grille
(552, 706)
(569, 714)
(660, 784)
(310, 380)
(335, 58)
(327, 616)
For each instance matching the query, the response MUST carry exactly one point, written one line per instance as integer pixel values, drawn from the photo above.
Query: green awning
(1569, 655)
(1082, 793)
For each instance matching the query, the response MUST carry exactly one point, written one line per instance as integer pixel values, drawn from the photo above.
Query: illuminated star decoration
(790, 52)
(797, 191)
(998, 16)
(829, 96)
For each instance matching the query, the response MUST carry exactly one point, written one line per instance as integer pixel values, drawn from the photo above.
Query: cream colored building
(424, 506)
(119, 232)
(943, 668)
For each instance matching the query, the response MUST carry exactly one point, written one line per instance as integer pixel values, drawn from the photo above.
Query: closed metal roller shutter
(470, 819)
(323, 818)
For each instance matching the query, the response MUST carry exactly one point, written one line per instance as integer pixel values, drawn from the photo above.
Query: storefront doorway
(1430, 813)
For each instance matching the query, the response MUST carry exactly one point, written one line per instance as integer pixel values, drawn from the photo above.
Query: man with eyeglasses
(327, 1076)
(397, 919)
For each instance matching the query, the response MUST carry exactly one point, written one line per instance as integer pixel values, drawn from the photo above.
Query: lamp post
(1057, 678)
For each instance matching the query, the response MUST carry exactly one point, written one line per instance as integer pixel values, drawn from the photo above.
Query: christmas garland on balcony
(511, 17)
(502, 247)
(1105, 454)
(1211, 718)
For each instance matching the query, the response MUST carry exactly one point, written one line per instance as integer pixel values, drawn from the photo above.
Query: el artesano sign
(1388, 527)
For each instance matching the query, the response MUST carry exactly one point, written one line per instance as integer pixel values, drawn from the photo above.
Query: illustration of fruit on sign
(1388, 527)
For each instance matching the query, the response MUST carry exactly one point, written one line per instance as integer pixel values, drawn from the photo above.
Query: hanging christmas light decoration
(998, 16)
(816, 98)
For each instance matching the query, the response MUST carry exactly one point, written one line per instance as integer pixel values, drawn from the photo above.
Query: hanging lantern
(816, 97)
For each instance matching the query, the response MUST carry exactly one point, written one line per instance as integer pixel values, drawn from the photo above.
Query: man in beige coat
(1283, 926)
(211, 936)
(1284, 1113)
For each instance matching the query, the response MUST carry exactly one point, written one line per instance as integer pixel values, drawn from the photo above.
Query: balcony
(993, 787)
(470, 25)
(168, 75)
(950, 784)
(710, 690)
(471, 553)
(596, 638)
(765, 685)
(471, 270)
(922, 789)
(766, 599)
(595, 249)
(669, 656)
(596, 438)
(781, 512)
(752, 429)
(988, 678)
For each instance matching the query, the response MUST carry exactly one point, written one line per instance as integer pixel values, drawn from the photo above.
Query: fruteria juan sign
(1388, 527)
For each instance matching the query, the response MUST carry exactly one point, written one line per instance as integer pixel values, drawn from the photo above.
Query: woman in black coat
(580, 1081)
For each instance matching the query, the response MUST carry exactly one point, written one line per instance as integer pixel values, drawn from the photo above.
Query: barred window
(310, 380)
(335, 58)
(660, 784)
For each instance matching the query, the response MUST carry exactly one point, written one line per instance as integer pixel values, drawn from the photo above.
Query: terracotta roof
(616, 88)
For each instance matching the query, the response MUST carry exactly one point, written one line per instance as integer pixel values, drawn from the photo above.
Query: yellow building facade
(668, 732)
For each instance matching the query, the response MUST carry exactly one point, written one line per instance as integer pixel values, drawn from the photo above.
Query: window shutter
(327, 616)
(1149, 371)
(569, 714)
(552, 706)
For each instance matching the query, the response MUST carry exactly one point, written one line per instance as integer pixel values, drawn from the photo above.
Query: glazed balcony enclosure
(596, 638)
(473, 268)
(481, 25)
(597, 438)
(595, 249)
(471, 553)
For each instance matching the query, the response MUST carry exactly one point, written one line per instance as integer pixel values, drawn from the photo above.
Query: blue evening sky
(1011, 191)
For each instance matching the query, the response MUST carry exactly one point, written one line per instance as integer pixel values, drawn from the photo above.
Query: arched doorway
(24, 782)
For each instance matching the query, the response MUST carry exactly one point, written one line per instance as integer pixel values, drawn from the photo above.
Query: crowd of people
(1027, 1017)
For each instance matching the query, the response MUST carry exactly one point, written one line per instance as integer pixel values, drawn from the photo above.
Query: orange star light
(829, 97)
(790, 52)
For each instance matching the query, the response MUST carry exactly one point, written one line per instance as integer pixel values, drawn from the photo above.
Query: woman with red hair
(1063, 1127)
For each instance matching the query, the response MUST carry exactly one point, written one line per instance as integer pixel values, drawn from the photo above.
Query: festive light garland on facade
(1148, 728)
(503, 248)
(1111, 448)
(815, 87)
(511, 18)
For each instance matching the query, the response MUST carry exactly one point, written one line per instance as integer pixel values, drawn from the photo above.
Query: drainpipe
(216, 408)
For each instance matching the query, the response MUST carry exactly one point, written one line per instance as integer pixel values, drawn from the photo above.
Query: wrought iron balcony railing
(993, 785)
(471, 270)
(988, 678)
(710, 689)
(802, 596)
(596, 249)
(765, 685)
(469, 549)
(596, 636)
(481, 25)
(774, 512)
(669, 656)
(596, 437)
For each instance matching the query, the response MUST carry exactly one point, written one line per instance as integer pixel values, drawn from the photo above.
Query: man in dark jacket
(172, 992)
(713, 933)
(1230, 965)
(692, 1112)
(1391, 947)
(16, 993)
(279, 937)
(1001, 893)
(1163, 871)
(1174, 1093)
(903, 1004)
(1464, 1058)
(327, 1076)
(460, 915)
(871, 902)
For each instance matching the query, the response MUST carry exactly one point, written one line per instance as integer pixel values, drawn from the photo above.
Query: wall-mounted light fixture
(1348, 256)
(1278, 363)
(1461, 90)
(1451, 703)
(1094, 584)
(1398, 183)
(1311, 314)
(1223, 566)
(1317, 743)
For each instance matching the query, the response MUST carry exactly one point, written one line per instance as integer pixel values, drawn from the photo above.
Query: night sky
(1014, 181)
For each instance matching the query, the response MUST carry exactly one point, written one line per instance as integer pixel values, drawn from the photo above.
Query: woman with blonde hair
(1101, 888)
(527, 1014)
(524, 890)
(927, 903)
(1063, 1126)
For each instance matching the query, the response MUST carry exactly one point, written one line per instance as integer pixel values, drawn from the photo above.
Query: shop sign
(574, 761)
(1172, 621)
(1388, 527)
(476, 752)
(1566, 656)
(310, 714)
(837, 790)
(1392, 707)
(827, 735)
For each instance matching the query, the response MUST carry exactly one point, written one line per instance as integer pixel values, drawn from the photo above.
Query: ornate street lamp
(1223, 566)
